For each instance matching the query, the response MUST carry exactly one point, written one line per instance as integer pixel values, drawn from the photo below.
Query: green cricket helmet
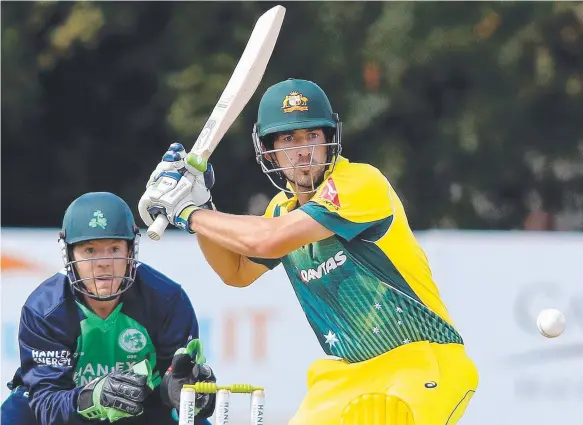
(290, 105)
(94, 216)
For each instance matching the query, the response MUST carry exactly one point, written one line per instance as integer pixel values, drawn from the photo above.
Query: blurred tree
(482, 118)
(473, 111)
(93, 72)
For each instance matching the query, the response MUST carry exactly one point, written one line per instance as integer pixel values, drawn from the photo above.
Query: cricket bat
(241, 86)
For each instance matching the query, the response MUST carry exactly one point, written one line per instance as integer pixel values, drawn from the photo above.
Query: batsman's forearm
(224, 262)
(244, 235)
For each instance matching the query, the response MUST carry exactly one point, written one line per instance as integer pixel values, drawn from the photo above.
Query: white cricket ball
(550, 323)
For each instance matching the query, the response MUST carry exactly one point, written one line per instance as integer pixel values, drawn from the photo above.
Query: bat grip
(156, 230)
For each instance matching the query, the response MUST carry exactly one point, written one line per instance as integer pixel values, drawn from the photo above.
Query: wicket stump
(223, 392)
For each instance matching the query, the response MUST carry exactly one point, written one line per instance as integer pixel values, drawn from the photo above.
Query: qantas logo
(324, 268)
(330, 194)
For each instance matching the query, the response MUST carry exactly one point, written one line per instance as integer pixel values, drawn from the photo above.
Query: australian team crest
(295, 101)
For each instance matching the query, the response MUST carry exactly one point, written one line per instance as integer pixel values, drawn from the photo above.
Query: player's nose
(103, 263)
(304, 146)
(305, 152)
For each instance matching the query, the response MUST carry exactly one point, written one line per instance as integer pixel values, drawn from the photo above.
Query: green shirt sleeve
(342, 227)
(270, 263)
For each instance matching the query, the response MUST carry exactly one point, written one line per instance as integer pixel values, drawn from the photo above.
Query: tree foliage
(474, 111)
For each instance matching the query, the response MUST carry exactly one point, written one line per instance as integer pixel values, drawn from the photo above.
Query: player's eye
(89, 250)
(115, 249)
(312, 136)
(285, 138)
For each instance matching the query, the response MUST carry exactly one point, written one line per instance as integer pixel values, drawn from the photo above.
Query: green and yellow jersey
(367, 289)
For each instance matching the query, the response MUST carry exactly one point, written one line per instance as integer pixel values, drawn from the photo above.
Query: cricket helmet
(289, 105)
(99, 215)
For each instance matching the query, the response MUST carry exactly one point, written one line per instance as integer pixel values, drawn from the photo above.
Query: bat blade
(243, 82)
(236, 94)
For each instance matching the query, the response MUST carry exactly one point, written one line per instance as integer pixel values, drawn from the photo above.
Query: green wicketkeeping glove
(117, 395)
(188, 367)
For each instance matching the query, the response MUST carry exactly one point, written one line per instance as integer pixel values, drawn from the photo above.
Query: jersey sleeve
(47, 371)
(270, 263)
(178, 328)
(352, 201)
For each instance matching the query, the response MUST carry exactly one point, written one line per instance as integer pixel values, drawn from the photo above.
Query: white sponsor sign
(494, 284)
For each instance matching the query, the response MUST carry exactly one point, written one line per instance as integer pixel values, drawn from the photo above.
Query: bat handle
(156, 230)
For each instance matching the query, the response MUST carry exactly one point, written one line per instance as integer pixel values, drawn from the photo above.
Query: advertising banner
(494, 284)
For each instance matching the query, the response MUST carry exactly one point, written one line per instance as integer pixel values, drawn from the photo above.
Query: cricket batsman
(340, 231)
(107, 338)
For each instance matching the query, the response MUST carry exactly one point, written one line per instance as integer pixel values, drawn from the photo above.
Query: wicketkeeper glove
(188, 367)
(117, 395)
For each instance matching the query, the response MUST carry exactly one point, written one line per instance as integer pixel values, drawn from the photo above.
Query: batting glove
(179, 186)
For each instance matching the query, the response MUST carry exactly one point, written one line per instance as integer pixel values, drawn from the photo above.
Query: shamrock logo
(98, 220)
(132, 340)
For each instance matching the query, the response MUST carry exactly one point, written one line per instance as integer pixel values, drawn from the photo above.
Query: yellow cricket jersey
(368, 289)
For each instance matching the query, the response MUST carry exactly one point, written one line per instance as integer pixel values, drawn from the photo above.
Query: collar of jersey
(98, 321)
(292, 201)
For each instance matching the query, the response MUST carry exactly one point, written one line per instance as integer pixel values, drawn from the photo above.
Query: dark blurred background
(473, 110)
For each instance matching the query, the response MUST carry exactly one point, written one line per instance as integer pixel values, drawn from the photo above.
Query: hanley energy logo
(52, 358)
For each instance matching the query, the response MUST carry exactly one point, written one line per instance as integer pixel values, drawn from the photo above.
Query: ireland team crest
(98, 220)
(132, 340)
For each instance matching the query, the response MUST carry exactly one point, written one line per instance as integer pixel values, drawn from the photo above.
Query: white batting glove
(176, 188)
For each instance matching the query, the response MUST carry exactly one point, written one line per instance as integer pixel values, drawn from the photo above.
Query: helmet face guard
(87, 286)
(289, 105)
(265, 157)
(99, 216)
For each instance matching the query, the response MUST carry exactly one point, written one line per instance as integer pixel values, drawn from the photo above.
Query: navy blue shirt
(64, 345)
